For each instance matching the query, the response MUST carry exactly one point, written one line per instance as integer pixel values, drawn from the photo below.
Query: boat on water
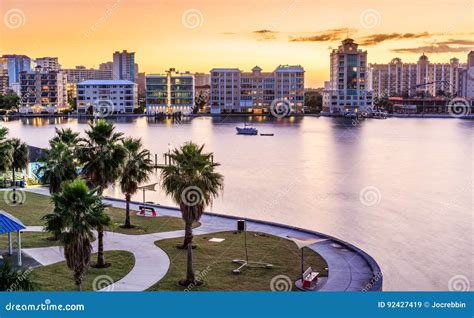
(350, 115)
(261, 134)
(246, 130)
(378, 115)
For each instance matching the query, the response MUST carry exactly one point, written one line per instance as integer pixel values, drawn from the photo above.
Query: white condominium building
(423, 78)
(235, 91)
(346, 89)
(81, 74)
(170, 93)
(106, 96)
(48, 63)
(466, 86)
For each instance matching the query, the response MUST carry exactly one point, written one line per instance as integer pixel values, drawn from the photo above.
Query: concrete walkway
(350, 269)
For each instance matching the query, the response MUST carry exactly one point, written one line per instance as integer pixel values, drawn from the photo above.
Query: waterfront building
(141, 81)
(235, 91)
(48, 63)
(422, 78)
(43, 89)
(3, 76)
(466, 87)
(170, 93)
(81, 74)
(16, 64)
(346, 89)
(116, 96)
(124, 67)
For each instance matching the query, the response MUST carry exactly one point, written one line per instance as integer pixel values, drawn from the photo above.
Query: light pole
(169, 154)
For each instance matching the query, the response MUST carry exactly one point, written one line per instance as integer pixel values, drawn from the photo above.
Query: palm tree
(136, 169)
(20, 154)
(102, 155)
(58, 165)
(192, 183)
(15, 280)
(75, 214)
(66, 136)
(5, 151)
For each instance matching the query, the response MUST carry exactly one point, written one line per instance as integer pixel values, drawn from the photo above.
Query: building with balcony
(81, 74)
(170, 93)
(107, 96)
(254, 92)
(124, 67)
(423, 78)
(48, 63)
(43, 89)
(346, 90)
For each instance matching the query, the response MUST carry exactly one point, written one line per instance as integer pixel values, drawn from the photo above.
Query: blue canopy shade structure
(9, 224)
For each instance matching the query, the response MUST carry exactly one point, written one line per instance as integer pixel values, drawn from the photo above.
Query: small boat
(379, 115)
(351, 115)
(246, 131)
(266, 134)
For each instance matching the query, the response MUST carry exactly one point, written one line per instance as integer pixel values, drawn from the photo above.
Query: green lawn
(29, 240)
(214, 262)
(58, 277)
(36, 205)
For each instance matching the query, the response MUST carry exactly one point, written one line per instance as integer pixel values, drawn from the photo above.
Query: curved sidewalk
(350, 269)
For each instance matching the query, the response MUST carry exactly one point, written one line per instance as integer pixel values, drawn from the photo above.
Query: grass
(35, 206)
(213, 262)
(122, 264)
(29, 240)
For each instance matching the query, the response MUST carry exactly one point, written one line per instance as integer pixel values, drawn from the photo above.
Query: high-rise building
(170, 93)
(414, 79)
(48, 63)
(3, 76)
(44, 88)
(80, 74)
(466, 87)
(235, 91)
(124, 67)
(346, 90)
(15, 65)
(107, 96)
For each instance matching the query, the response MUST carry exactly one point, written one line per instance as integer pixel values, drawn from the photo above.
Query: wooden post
(156, 160)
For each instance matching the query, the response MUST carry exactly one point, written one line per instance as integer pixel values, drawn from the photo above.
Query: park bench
(310, 278)
(146, 211)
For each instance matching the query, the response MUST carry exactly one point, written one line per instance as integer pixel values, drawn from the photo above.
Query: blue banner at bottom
(237, 304)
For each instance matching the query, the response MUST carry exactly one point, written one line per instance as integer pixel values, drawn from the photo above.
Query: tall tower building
(124, 67)
(346, 90)
(15, 65)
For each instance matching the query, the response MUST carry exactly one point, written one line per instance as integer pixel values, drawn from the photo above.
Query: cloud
(265, 35)
(374, 39)
(435, 48)
(325, 36)
(456, 42)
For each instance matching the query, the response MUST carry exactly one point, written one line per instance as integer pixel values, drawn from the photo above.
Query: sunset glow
(199, 35)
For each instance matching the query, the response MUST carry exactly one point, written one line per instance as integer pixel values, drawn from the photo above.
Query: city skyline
(198, 36)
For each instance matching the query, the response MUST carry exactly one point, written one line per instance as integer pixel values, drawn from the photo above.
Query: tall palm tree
(5, 151)
(15, 280)
(76, 209)
(20, 154)
(102, 155)
(66, 136)
(58, 165)
(136, 169)
(192, 183)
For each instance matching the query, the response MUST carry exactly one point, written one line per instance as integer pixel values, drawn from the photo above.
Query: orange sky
(221, 33)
